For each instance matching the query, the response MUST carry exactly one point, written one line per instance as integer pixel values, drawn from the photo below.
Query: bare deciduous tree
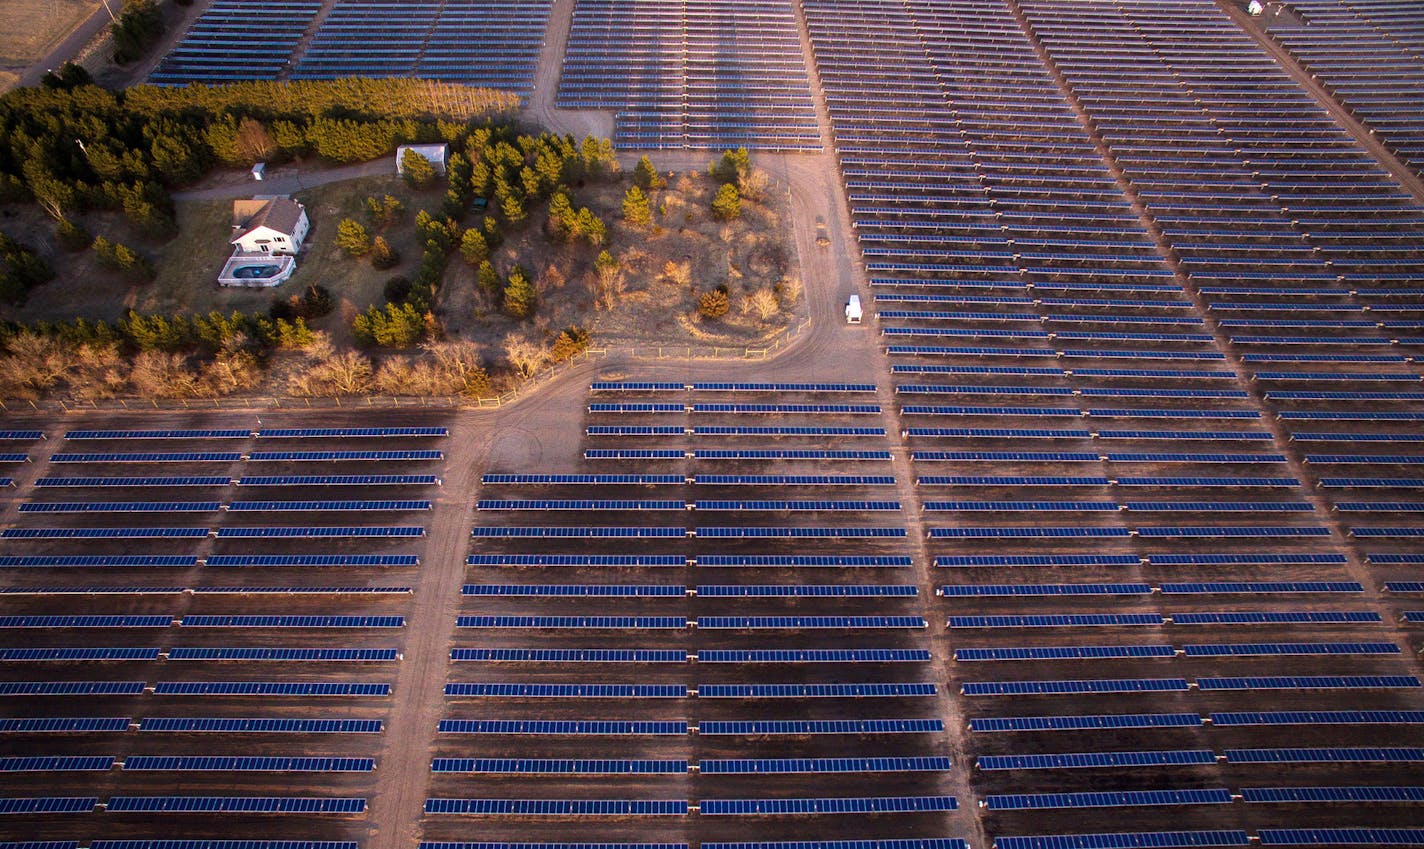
(524, 355)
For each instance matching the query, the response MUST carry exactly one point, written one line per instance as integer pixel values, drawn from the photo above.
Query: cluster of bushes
(21, 270)
(136, 29)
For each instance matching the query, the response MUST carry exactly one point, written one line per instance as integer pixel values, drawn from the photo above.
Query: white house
(275, 226)
(433, 153)
(268, 233)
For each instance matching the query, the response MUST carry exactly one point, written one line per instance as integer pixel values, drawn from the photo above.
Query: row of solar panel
(738, 766)
(284, 433)
(185, 560)
(188, 533)
(255, 480)
(679, 691)
(213, 506)
(236, 456)
(710, 807)
(1087, 652)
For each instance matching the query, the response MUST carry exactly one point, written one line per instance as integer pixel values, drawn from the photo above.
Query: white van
(852, 310)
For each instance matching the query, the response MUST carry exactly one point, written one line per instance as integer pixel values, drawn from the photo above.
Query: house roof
(280, 214)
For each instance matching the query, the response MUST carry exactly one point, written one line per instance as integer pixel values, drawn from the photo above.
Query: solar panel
(549, 727)
(807, 590)
(759, 766)
(1263, 617)
(313, 506)
(191, 480)
(1260, 649)
(901, 843)
(803, 560)
(334, 456)
(103, 533)
(576, 590)
(312, 560)
(57, 763)
(268, 688)
(1261, 587)
(592, 691)
(1084, 723)
(799, 622)
(976, 590)
(1341, 836)
(850, 805)
(602, 622)
(158, 434)
(146, 457)
(1126, 840)
(60, 654)
(578, 532)
(1060, 620)
(45, 560)
(576, 560)
(1308, 682)
(1093, 760)
(559, 766)
(48, 805)
(346, 432)
(337, 480)
(223, 844)
(1332, 794)
(946, 561)
(1110, 685)
(241, 763)
(71, 688)
(297, 621)
(1371, 754)
(796, 727)
(236, 804)
(1114, 799)
(832, 532)
(558, 807)
(21, 434)
(320, 532)
(64, 724)
(1320, 717)
(803, 691)
(966, 654)
(260, 725)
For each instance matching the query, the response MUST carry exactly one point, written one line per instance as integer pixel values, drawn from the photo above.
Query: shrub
(383, 256)
(71, 236)
(572, 341)
(714, 304)
(397, 290)
(727, 205)
(352, 238)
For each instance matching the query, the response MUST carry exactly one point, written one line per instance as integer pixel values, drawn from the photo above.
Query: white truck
(852, 310)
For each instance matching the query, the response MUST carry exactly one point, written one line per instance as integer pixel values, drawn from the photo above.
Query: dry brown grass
(750, 257)
(33, 26)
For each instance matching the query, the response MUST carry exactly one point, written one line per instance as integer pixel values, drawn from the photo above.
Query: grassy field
(32, 26)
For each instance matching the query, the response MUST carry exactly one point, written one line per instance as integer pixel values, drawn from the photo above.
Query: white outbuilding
(434, 154)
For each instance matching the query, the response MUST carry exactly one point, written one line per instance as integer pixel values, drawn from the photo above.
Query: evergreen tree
(416, 169)
(645, 176)
(352, 238)
(473, 246)
(519, 295)
(636, 210)
(727, 205)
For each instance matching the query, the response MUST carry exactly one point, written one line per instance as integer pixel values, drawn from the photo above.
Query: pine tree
(636, 211)
(646, 177)
(473, 247)
(352, 238)
(727, 205)
(416, 169)
(519, 295)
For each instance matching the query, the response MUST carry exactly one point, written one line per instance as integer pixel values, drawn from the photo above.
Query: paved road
(68, 47)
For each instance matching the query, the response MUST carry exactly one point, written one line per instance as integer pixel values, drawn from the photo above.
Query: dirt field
(32, 26)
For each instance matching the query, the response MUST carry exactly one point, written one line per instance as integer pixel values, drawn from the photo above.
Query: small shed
(433, 153)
